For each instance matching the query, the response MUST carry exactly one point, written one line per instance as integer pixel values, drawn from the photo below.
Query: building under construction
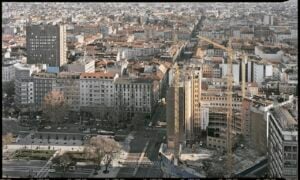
(183, 105)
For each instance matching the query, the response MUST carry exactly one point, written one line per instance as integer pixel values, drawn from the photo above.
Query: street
(137, 146)
(21, 168)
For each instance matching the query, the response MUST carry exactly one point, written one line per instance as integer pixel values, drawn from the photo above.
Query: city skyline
(150, 90)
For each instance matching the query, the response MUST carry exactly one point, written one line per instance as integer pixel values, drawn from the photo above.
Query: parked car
(59, 128)
(47, 127)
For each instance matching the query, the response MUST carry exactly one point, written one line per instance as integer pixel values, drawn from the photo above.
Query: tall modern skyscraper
(46, 44)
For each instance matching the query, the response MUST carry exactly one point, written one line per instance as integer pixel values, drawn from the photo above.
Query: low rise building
(82, 65)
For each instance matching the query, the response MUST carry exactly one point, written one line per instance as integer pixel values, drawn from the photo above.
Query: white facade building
(97, 89)
(235, 72)
(258, 71)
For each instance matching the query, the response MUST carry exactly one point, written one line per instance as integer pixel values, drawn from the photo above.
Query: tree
(65, 161)
(94, 151)
(54, 106)
(110, 148)
(101, 149)
(7, 139)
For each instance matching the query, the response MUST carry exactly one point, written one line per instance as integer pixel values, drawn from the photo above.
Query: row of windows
(217, 99)
(132, 86)
(91, 86)
(222, 104)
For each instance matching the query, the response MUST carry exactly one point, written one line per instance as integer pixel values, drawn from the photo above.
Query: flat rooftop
(285, 118)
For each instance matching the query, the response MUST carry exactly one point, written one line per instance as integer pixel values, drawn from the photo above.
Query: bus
(109, 133)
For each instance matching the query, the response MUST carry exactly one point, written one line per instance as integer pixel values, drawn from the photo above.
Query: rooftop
(98, 75)
(285, 118)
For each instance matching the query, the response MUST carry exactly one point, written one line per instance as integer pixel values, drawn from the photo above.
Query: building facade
(43, 84)
(69, 84)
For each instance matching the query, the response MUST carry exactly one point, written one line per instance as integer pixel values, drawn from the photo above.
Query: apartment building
(24, 88)
(69, 84)
(283, 142)
(210, 100)
(97, 90)
(288, 88)
(43, 84)
(8, 70)
(136, 95)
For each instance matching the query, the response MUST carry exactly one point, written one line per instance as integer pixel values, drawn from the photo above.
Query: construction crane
(230, 54)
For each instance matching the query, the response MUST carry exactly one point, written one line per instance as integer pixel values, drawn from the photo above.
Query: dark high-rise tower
(46, 44)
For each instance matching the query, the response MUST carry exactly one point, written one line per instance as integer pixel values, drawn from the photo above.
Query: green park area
(33, 154)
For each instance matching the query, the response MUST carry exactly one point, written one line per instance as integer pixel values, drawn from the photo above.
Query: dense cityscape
(150, 90)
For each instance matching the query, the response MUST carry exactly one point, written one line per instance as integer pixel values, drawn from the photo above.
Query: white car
(52, 170)
(59, 128)
(48, 127)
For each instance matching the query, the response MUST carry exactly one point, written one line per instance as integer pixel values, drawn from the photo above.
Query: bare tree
(94, 150)
(101, 149)
(54, 106)
(7, 139)
(110, 148)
